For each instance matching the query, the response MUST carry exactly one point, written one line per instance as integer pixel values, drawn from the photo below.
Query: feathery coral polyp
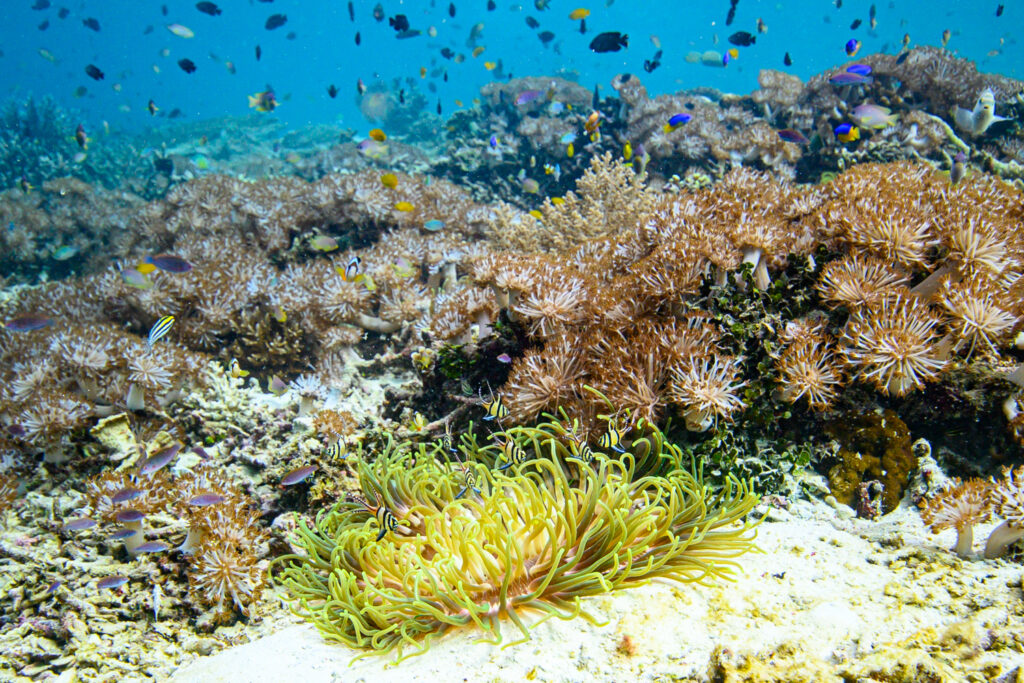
(538, 538)
(706, 389)
(961, 506)
(894, 347)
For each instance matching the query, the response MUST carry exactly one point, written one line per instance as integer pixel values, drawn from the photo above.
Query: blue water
(323, 50)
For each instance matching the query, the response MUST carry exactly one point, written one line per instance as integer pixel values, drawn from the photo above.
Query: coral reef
(536, 538)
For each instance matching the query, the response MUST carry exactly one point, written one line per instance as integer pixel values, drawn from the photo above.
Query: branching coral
(538, 538)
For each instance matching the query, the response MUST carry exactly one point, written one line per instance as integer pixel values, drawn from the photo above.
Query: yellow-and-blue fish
(847, 132)
(160, 328)
(235, 370)
(385, 518)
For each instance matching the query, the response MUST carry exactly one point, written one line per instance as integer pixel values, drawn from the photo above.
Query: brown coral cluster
(258, 291)
(224, 541)
(612, 311)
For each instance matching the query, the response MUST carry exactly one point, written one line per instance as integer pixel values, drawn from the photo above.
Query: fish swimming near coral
(336, 450)
(264, 101)
(794, 136)
(609, 41)
(296, 476)
(27, 323)
(959, 168)
(350, 273)
(612, 439)
(235, 370)
(159, 460)
(873, 116)
(168, 263)
(385, 518)
(494, 408)
(159, 330)
(847, 132)
(978, 120)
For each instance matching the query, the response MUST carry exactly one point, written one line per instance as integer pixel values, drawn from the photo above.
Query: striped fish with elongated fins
(385, 518)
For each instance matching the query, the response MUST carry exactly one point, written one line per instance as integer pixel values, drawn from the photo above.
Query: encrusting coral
(536, 536)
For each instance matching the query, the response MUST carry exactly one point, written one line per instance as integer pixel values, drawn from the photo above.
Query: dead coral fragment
(532, 540)
(961, 506)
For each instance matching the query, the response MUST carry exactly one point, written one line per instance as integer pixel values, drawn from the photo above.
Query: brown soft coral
(960, 506)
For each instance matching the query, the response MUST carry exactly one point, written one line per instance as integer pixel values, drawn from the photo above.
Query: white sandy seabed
(829, 599)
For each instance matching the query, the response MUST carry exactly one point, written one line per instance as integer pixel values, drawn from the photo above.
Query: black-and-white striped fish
(160, 328)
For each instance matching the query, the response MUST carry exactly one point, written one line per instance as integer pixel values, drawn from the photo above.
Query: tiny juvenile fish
(160, 328)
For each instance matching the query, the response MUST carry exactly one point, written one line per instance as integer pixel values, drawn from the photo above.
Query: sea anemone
(858, 280)
(539, 537)
(961, 506)
(544, 378)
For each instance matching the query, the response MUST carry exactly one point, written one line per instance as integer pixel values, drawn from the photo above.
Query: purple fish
(54, 586)
(847, 78)
(122, 534)
(112, 582)
(169, 263)
(527, 96)
(204, 499)
(78, 524)
(860, 69)
(504, 358)
(152, 547)
(27, 323)
(159, 460)
(790, 135)
(125, 494)
(129, 516)
(17, 431)
(295, 476)
(201, 452)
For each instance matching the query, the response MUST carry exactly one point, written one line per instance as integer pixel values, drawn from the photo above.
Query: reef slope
(831, 598)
